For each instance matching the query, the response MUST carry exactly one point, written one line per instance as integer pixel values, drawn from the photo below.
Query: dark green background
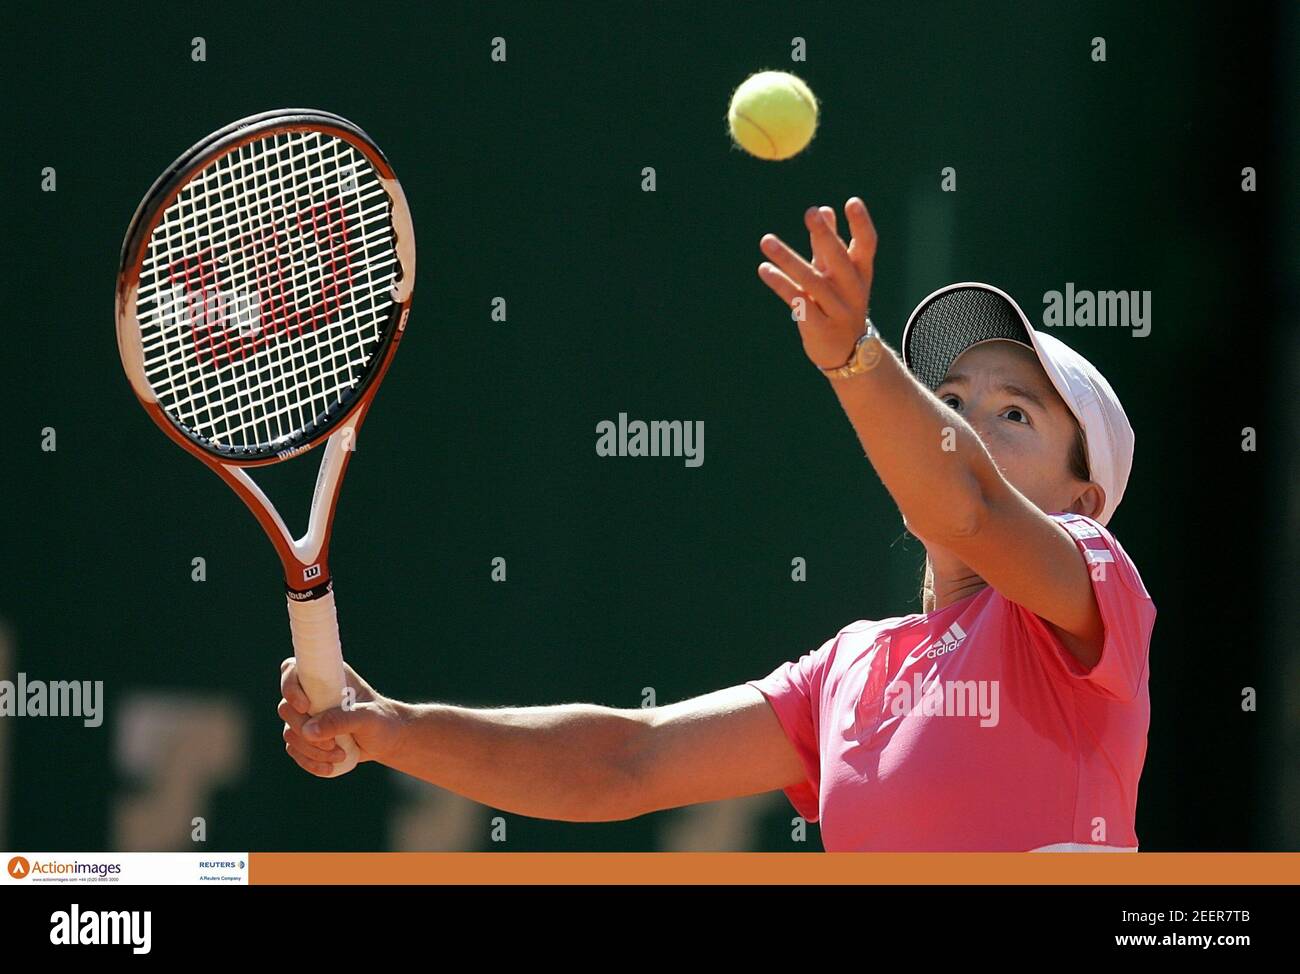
(525, 179)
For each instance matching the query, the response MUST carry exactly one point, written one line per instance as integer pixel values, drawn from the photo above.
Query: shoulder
(1126, 609)
(1103, 552)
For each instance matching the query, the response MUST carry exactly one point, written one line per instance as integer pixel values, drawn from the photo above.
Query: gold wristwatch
(866, 353)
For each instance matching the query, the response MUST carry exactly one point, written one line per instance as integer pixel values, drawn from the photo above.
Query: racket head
(265, 281)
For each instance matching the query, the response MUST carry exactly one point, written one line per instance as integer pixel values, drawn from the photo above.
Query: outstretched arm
(573, 762)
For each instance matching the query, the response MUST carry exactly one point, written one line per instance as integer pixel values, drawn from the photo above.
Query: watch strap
(856, 364)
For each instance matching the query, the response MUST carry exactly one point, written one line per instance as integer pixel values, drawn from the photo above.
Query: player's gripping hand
(375, 723)
(835, 287)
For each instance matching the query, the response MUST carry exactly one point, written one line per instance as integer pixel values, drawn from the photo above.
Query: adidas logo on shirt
(949, 642)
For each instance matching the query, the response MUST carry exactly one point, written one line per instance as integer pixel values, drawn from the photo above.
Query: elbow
(630, 777)
(619, 787)
(961, 515)
(965, 523)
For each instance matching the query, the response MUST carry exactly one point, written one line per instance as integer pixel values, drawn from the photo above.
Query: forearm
(927, 456)
(573, 762)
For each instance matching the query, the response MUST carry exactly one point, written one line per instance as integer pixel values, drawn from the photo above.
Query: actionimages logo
(53, 870)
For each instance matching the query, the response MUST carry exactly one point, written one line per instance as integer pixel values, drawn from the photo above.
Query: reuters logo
(19, 868)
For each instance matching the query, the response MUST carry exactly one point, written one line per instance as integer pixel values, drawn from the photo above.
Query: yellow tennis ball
(773, 115)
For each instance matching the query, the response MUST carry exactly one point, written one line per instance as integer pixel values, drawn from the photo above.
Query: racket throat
(305, 559)
(300, 594)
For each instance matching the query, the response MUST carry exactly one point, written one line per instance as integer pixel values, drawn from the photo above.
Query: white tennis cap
(954, 318)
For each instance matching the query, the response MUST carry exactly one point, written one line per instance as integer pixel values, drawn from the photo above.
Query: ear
(1089, 501)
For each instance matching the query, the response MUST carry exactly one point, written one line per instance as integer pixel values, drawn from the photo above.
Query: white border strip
(1083, 847)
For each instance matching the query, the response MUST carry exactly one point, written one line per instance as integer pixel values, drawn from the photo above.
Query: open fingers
(788, 291)
(862, 250)
(803, 274)
(818, 261)
(830, 249)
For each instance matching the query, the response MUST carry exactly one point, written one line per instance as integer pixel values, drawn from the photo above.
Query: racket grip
(315, 628)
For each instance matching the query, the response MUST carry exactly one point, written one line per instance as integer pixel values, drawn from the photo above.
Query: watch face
(867, 354)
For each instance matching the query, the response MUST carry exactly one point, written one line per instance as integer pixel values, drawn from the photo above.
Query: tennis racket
(265, 283)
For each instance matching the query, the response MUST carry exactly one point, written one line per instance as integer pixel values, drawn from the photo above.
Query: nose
(986, 429)
(978, 421)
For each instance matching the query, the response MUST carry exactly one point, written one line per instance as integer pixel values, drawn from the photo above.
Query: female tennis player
(1010, 714)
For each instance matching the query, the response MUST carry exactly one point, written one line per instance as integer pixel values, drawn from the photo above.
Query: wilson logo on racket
(264, 282)
(226, 323)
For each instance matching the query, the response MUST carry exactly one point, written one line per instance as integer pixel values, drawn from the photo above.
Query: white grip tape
(315, 628)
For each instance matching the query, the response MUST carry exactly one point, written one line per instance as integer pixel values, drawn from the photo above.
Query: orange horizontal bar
(768, 868)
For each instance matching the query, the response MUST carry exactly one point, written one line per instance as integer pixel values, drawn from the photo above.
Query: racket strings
(259, 370)
(266, 373)
(266, 288)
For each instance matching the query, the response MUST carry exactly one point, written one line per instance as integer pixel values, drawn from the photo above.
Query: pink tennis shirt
(973, 728)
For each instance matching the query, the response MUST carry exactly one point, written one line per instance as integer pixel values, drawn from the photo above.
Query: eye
(1013, 411)
(955, 401)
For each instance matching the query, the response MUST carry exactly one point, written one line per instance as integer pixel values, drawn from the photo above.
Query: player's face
(1000, 389)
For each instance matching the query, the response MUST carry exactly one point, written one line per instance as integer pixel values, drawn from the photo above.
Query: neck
(948, 581)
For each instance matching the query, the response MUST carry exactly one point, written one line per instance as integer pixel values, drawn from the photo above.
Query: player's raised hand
(834, 290)
(373, 722)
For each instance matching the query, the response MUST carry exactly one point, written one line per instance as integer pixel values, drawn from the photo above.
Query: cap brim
(951, 320)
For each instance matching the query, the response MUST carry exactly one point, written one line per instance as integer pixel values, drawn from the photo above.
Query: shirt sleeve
(794, 691)
(1127, 614)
